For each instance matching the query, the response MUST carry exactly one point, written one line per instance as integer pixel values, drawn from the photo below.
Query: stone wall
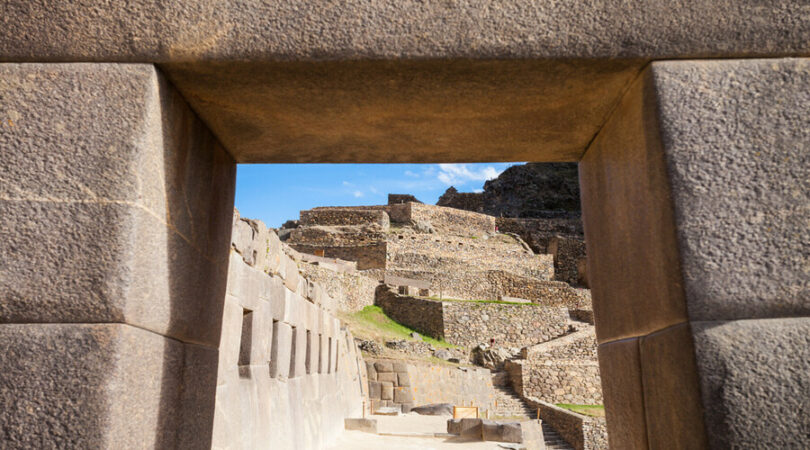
(493, 285)
(351, 290)
(422, 315)
(344, 216)
(564, 370)
(394, 199)
(536, 232)
(288, 372)
(336, 235)
(511, 325)
(569, 259)
(415, 251)
(371, 256)
(415, 383)
(468, 323)
(562, 381)
(579, 431)
(452, 221)
(562, 237)
(468, 201)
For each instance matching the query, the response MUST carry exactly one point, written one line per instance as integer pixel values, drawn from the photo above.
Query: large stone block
(387, 376)
(672, 404)
(738, 151)
(755, 381)
(386, 390)
(95, 386)
(280, 351)
(198, 397)
(135, 194)
(374, 390)
(365, 425)
(629, 222)
(706, 216)
(620, 369)
(403, 395)
(547, 72)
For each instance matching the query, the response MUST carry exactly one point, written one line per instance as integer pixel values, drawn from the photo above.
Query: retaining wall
(425, 316)
(371, 256)
(343, 216)
(580, 431)
(450, 220)
(565, 370)
(470, 323)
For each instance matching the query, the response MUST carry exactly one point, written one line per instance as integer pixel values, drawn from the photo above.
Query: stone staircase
(553, 439)
(510, 405)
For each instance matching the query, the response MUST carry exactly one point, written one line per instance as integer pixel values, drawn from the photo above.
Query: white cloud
(408, 173)
(358, 194)
(478, 191)
(373, 190)
(459, 174)
(346, 183)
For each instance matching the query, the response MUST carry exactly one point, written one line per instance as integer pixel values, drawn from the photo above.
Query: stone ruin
(121, 126)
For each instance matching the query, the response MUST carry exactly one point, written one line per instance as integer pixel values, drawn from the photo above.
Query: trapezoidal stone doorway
(116, 210)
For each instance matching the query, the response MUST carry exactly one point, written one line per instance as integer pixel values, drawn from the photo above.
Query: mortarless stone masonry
(297, 369)
(416, 383)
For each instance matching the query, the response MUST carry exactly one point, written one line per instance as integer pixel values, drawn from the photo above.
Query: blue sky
(274, 193)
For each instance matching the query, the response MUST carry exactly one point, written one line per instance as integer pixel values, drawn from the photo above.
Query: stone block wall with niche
(286, 365)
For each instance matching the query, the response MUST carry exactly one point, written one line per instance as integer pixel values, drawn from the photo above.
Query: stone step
(553, 439)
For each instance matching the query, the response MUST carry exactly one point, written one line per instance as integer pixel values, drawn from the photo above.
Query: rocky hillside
(539, 190)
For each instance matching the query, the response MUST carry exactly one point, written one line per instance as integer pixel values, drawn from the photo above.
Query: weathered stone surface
(403, 395)
(95, 386)
(366, 425)
(138, 213)
(403, 379)
(736, 138)
(280, 352)
(384, 366)
(629, 222)
(150, 31)
(387, 390)
(501, 432)
(374, 390)
(437, 409)
(620, 366)
(755, 381)
(197, 397)
(387, 376)
(547, 72)
(490, 357)
(672, 404)
(467, 428)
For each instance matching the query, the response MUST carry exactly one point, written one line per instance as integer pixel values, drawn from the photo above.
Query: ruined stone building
(121, 124)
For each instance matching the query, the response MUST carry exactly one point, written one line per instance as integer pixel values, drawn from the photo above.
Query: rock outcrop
(533, 190)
